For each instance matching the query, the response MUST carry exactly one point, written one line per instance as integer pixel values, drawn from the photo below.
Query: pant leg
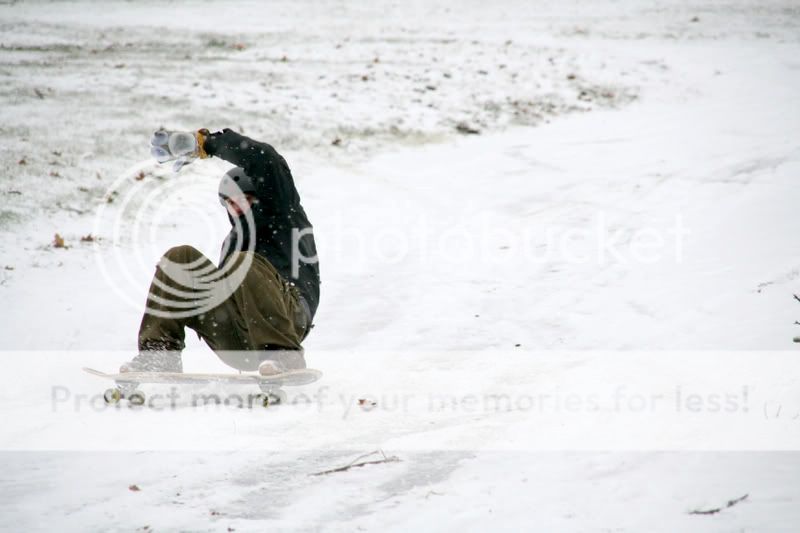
(164, 322)
(260, 309)
(270, 306)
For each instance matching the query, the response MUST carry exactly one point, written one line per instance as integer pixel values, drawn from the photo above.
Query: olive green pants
(247, 307)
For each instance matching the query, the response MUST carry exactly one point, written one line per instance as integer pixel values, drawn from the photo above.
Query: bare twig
(715, 510)
(70, 208)
(796, 297)
(358, 462)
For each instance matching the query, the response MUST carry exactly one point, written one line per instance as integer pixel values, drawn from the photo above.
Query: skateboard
(271, 393)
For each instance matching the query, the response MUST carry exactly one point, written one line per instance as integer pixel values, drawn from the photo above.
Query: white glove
(183, 147)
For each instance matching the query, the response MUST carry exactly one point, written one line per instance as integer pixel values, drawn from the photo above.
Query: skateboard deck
(126, 383)
(291, 378)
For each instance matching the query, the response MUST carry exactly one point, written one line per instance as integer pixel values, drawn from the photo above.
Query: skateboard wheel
(112, 396)
(277, 397)
(136, 398)
(265, 400)
(271, 398)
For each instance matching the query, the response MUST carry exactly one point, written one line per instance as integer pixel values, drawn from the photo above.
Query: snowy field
(558, 245)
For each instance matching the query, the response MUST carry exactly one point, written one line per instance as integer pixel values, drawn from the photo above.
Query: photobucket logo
(145, 214)
(492, 239)
(298, 256)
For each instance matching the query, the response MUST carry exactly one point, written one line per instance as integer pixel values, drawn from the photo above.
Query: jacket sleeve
(259, 160)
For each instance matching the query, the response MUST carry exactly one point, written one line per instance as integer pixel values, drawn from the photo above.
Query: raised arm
(258, 159)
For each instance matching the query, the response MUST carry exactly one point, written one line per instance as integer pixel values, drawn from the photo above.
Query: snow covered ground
(580, 319)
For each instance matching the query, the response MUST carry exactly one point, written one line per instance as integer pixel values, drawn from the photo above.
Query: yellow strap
(200, 135)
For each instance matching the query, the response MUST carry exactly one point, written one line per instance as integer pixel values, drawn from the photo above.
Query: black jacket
(279, 218)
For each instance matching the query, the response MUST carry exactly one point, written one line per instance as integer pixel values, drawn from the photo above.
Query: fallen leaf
(58, 241)
(366, 404)
(465, 128)
(134, 488)
(87, 238)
